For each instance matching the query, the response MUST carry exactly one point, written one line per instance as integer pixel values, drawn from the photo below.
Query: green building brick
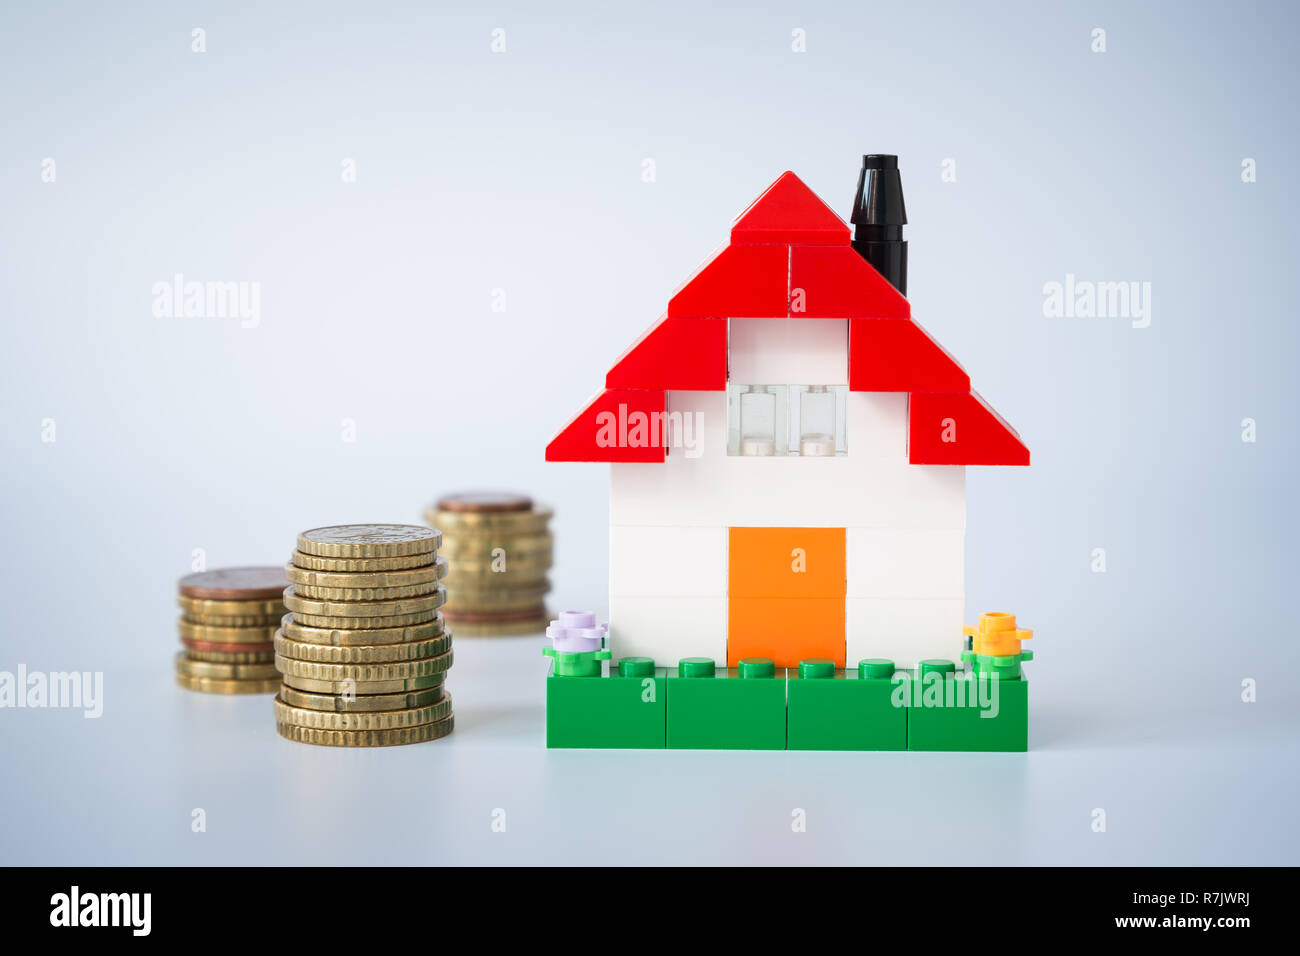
(626, 710)
(845, 710)
(575, 663)
(987, 714)
(711, 709)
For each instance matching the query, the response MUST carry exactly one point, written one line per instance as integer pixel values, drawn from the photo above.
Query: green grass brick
(606, 712)
(726, 712)
(950, 727)
(845, 712)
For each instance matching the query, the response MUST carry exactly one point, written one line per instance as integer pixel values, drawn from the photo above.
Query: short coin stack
(364, 650)
(228, 621)
(500, 551)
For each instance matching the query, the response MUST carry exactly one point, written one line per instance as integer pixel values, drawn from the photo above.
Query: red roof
(790, 255)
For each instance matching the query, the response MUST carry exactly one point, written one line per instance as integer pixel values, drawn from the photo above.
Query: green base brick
(964, 727)
(725, 711)
(606, 712)
(846, 712)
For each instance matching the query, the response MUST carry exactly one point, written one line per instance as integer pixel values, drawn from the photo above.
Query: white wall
(905, 535)
(788, 351)
(872, 486)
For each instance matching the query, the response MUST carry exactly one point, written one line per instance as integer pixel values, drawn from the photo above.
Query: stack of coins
(500, 550)
(228, 621)
(364, 650)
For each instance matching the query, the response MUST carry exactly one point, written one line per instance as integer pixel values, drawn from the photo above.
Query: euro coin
(363, 673)
(236, 648)
(367, 738)
(484, 501)
(231, 657)
(362, 654)
(453, 523)
(367, 579)
(354, 636)
(211, 685)
(362, 703)
(318, 562)
(373, 720)
(515, 628)
(369, 540)
(365, 623)
(193, 668)
(234, 584)
(397, 607)
(203, 608)
(358, 689)
(261, 634)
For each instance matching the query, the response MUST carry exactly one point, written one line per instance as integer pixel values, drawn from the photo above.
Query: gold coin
(488, 571)
(429, 575)
(232, 657)
(367, 738)
(372, 720)
(364, 673)
(228, 635)
(483, 501)
(487, 546)
(490, 617)
(205, 608)
(484, 545)
(452, 523)
(364, 653)
(365, 623)
(354, 636)
(234, 621)
(362, 703)
(401, 562)
(314, 593)
(364, 609)
(535, 625)
(515, 583)
(501, 563)
(359, 689)
(489, 601)
(192, 668)
(369, 540)
(212, 685)
(522, 591)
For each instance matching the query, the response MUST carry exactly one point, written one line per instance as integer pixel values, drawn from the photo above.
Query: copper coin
(491, 617)
(225, 648)
(480, 502)
(235, 584)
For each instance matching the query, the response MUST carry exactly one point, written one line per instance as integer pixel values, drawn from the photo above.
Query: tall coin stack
(228, 621)
(364, 650)
(500, 550)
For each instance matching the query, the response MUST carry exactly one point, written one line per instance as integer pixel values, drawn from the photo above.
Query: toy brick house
(788, 450)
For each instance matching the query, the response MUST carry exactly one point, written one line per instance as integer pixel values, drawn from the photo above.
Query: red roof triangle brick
(790, 256)
(789, 212)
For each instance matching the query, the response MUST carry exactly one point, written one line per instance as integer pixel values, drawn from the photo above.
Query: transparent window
(769, 420)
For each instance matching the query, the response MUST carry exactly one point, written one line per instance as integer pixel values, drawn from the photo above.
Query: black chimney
(878, 219)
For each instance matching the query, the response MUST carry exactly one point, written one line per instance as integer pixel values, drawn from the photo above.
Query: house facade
(788, 453)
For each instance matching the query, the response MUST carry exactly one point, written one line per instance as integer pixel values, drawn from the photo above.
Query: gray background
(522, 171)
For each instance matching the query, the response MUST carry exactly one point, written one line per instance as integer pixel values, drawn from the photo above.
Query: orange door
(785, 595)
